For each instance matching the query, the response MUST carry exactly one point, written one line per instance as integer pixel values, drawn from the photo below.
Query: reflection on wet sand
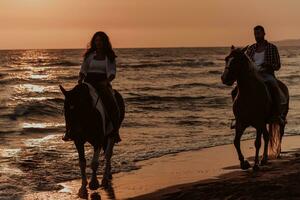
(69, 192)
(110, 192)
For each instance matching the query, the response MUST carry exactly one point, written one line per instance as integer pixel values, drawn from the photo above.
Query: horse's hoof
(83, 193)
(264, 162)
(95, 196)
(245, 165)
(94, 184)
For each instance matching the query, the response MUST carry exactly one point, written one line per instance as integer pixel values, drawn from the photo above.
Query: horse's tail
(274, 140)
(276, 131)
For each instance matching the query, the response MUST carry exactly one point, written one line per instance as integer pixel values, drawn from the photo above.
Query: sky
(35, 24)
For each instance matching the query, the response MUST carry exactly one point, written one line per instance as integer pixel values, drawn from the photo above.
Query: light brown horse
(253, 105)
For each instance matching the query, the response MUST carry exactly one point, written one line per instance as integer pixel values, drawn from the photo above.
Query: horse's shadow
(110, 192)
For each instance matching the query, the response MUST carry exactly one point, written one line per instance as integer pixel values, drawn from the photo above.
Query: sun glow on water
(39, 76)
(41, 125)
(32, 88)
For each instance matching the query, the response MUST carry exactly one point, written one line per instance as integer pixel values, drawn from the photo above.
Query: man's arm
(277, 63)
(273, 62)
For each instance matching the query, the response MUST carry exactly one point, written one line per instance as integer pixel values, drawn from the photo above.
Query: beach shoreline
(172, 175)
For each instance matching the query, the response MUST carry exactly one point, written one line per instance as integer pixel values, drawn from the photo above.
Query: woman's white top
(98, 66)
(259, 58)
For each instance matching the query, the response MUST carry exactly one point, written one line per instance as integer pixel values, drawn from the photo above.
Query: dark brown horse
(253, 105)
(84, 123)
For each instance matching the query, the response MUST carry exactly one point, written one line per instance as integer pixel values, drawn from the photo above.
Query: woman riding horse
(99, 69)
(84, 115)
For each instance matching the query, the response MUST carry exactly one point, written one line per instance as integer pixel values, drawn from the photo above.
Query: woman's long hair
(107, 47)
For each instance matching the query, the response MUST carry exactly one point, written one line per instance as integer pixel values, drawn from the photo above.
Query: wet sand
(211, 173)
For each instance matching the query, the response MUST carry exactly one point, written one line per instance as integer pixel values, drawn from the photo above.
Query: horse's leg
(257, 147)
(94, 183)
(266, 137)
(239, 130)
(82, 193)
(108, 154)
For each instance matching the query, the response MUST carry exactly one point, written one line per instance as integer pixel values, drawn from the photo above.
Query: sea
(175, 102)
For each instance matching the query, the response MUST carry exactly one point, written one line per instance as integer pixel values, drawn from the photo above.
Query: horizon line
(161, 47)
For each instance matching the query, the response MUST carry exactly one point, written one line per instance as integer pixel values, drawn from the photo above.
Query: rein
(97, 101)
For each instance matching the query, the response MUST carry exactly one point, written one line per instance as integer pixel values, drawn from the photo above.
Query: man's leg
(273, 86)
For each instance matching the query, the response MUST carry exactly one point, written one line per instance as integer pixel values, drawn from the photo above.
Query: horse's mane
(252, 68)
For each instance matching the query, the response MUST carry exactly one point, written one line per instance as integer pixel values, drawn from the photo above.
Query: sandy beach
(211, 173)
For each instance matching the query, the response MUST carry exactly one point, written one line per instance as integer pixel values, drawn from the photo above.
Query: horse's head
(77, 107)
(234, 63)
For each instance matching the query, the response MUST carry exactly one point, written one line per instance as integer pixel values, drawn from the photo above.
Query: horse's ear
(245, 49)
(62, 89)
(232, 47)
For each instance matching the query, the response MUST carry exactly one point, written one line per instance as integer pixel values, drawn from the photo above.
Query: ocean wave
(191, 85)
(153, 55)
(48, 107)
(43, 63)
(68, 77)
(142, 99)
(290, 76)
(62, 63)
(46, 130)
(8, 132)
(176, 63)
(188, 103)
(214, 72)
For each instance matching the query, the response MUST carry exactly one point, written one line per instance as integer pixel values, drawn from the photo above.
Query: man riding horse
(257, 97)
(266, 58)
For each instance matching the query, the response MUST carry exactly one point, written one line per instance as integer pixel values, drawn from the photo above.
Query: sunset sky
(144, 23)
